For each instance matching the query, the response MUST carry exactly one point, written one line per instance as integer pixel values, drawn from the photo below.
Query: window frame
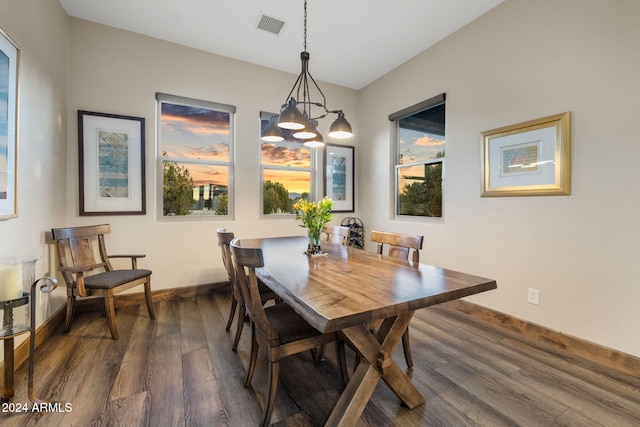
(312, 170)
(160, 159)
(395, 118)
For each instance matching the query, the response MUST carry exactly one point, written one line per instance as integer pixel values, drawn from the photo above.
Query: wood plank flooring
(179, 370)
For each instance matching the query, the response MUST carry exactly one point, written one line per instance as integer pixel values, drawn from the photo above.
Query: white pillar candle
(10, 281)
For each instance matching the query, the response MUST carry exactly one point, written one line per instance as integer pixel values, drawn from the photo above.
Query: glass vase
(16, 276)
(314, 242)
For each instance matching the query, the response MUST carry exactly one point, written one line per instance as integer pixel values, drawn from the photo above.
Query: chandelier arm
(317, 104)
(306, 94)
(294, 88)
(324, 98)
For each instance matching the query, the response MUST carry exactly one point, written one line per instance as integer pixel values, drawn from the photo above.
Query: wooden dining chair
(400, 246)
(237, 302)
(335, 234)
(278, 329)
(77, 248)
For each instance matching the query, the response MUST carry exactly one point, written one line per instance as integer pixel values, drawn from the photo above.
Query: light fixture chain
(305, 25)
(303, 121)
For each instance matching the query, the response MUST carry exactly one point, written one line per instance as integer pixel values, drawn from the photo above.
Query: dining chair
(84, 276)
(400, 246)
(237, 302)
(277, 328)
(336, 234)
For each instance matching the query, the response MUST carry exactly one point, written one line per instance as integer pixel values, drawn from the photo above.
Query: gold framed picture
(528, 159)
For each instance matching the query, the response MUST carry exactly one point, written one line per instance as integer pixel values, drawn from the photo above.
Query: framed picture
(339, 176)
(528, 159)
(9, 53)
(111, 157)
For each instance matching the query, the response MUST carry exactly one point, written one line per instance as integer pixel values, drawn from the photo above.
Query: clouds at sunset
(200, 134)
(430, 141)
(418, 146)
(196, 133)
(286, 154)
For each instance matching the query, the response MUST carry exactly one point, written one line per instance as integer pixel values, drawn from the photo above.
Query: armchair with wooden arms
(77, 263)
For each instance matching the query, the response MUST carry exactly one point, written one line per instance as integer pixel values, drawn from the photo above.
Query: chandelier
(296, 114)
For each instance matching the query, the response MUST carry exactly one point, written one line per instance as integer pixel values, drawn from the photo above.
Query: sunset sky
(288, 153)
(199, 133)
(417, 146)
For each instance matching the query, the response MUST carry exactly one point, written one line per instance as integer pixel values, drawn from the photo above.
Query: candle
(10, 281)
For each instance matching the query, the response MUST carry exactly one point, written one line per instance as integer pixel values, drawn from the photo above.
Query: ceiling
(351, 42)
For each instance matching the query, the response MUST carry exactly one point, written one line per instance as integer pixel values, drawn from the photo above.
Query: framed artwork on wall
(9, 53)
(111, 160)
(339, 176)
(528, 159)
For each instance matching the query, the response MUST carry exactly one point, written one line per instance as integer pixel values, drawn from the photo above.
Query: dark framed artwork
(112, 166)
(339, 176)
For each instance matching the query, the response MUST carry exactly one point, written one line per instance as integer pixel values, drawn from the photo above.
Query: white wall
(40, 29)
(118, 72)
(521, 61)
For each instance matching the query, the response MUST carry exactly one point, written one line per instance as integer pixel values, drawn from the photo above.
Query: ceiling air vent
(270, 24)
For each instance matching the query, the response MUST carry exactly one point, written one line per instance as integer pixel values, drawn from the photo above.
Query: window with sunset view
(286, 172)
(195, 151)
(420, 157)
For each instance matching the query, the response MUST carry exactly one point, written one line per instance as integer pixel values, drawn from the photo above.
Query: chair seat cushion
(288, 324)
(114, 278)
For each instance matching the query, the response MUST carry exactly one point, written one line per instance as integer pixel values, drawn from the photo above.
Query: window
(420, 156)
(195, 151)
(286, 172)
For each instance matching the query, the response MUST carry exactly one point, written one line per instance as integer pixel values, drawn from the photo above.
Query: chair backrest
(224, 241)
(336, 234)
(246, 260)
(399, 244)
(75, 248)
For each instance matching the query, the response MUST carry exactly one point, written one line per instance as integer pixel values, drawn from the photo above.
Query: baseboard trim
(575, 346)
(93, 304)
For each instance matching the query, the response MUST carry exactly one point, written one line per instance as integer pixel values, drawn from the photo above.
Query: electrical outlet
(533, 296)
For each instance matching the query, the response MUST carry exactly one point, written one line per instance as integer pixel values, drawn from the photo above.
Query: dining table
(347, 290)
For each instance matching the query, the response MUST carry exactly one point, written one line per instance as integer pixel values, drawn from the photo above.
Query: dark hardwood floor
(179, 370)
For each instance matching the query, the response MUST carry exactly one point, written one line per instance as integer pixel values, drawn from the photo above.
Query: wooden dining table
(349, 289)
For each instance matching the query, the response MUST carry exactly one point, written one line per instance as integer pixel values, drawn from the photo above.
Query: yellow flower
(314, 215)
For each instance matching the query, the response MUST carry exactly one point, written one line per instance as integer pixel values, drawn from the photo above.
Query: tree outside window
(420, 149)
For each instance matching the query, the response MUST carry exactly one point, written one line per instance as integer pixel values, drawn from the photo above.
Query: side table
(11, 329)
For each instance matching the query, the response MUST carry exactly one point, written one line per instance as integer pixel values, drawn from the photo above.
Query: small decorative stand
(17, 291)
(356, 231)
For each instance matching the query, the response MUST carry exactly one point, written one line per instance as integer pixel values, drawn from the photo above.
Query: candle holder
(17, 290)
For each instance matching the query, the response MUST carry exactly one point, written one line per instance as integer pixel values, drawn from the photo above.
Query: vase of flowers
(314, 215)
